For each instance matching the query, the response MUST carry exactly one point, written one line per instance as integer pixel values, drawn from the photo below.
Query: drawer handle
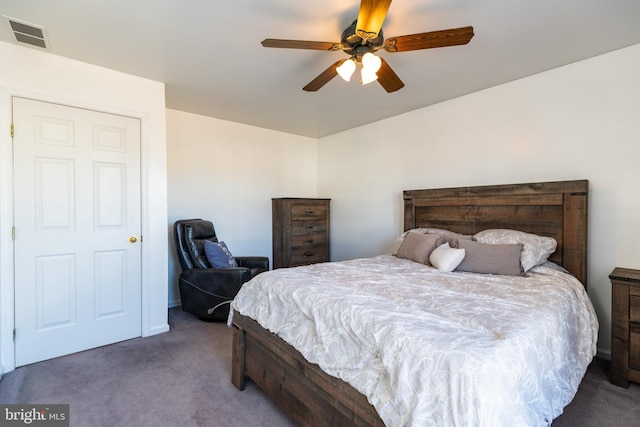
(308, 254)
(309, 212)
(310, 227)
(309, 241)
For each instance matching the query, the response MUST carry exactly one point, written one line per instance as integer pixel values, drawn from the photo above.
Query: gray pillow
(488, 258)
(536, 248)
(218, 255)
(417, 247)
(449, 236)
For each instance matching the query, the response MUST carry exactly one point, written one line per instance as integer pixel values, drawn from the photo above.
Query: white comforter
(430, 348)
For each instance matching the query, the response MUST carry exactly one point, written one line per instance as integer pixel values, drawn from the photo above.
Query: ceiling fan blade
(300, 44)
(452, 37)
(370, 17)
(388, 79)
(323, 78)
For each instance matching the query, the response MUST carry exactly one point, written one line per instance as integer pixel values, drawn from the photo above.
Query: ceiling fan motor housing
(353, 43)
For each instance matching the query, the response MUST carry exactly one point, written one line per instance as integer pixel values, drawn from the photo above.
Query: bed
(364, 393)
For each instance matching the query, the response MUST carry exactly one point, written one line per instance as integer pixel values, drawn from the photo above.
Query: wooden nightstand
(625, 326)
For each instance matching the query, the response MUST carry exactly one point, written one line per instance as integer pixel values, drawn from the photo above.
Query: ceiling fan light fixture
(371, 63)
(367, 77)
(370, 66)
(346, 69)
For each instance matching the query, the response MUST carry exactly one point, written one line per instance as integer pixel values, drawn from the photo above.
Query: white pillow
(446, 258)
(536, 248)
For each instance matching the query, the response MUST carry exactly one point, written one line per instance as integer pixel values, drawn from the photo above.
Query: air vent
(28, 33)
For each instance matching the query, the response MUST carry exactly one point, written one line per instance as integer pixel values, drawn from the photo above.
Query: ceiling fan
(363, 38)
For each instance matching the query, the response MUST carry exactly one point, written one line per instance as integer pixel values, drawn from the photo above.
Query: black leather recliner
(205, 291)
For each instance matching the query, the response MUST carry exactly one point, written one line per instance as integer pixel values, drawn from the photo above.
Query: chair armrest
(261, 262)
(224, 281)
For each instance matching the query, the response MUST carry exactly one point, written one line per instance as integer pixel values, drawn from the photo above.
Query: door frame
(149, 297)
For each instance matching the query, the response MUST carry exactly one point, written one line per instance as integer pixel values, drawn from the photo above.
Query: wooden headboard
(556, 209)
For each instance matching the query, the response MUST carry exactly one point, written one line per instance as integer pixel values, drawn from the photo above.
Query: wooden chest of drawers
(300, 231)
(625, 326)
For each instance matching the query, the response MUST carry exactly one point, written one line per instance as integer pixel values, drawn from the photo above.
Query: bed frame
(312, 397)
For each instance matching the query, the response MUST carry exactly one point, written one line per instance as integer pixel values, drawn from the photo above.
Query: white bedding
(431, 348)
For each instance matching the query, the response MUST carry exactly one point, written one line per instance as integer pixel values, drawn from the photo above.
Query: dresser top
(625, 274)
(297, 198)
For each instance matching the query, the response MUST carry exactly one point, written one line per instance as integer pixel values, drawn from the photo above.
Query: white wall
(581, 121)
(228, 173)
(40, 75)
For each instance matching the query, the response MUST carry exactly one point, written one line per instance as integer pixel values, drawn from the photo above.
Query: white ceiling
(208, 52)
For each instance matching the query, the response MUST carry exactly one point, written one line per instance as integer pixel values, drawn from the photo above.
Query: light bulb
(346, 69)
(371, 63)
(367, 77)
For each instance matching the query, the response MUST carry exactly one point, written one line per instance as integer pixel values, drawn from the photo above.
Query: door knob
(133, 239)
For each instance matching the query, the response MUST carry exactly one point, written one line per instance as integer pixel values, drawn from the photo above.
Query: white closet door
(77, 229)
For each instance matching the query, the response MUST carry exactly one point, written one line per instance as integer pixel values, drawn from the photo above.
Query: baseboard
(604, 354)
(175, 303)
(159, 330)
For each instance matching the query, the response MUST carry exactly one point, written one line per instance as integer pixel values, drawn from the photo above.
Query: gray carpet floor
(182, 378)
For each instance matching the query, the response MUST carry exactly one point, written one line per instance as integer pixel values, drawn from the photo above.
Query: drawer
(309, 241)
(308, 227)
(634, 346)
(304, 256)
(634, 308)
(303, 212)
